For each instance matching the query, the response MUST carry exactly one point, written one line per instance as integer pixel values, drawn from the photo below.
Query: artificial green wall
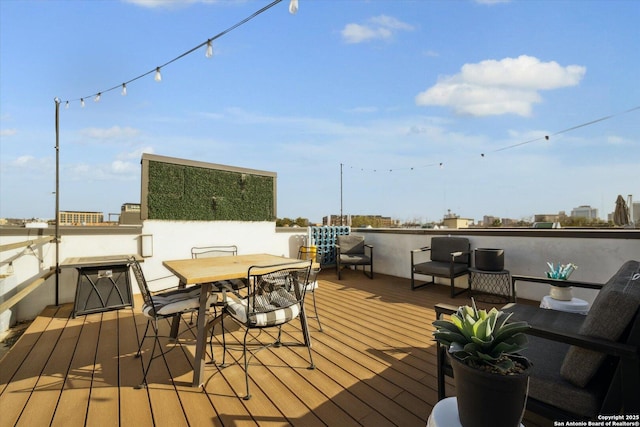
(184, 192)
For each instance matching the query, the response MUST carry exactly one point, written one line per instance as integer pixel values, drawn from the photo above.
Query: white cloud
(120, 167)
(23, 160)
(114, 132)
(492, 2)
(169, 4)
(362, 110)
(8, 132)
(618, 140)
(508, 86)
(378, 28)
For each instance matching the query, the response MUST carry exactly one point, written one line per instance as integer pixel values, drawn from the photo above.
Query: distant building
(81, 218)
(584, 211)
(130, 214)
(376, 221)
(489, 220)
(547, 217)
(336, 220)
(457, 222)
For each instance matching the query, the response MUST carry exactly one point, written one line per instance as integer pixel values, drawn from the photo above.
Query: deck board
(375, 365)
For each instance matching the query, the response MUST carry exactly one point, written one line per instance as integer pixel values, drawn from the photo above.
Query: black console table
(103, 283)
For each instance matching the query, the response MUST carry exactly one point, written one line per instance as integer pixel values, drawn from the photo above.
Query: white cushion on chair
(311, 286)
(174, 302)
(273, 317)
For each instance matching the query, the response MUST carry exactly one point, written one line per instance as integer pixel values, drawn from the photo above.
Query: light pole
(57, 101)
(341, 195)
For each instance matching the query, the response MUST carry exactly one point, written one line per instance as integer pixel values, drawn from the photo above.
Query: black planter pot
(489, 399)
(489, 259)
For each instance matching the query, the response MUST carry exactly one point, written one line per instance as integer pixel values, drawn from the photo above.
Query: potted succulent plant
(483, 349)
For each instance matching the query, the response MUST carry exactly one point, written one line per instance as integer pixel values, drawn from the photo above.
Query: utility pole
(341, 221)
(57, 101)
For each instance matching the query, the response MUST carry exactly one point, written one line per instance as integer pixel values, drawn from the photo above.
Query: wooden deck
(375, 366)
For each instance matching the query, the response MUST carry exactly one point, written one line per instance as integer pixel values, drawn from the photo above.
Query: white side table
(574, 305)
(445, 414)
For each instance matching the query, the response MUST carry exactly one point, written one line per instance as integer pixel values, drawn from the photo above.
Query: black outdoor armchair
(450, 257)
(352, 250)
(583, 366)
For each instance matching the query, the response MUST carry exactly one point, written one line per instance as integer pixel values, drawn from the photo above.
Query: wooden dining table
(202, 271)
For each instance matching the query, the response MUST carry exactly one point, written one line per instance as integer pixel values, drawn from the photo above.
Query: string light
(209, 52)
(97, 98)
(66, 105)
(293, 7)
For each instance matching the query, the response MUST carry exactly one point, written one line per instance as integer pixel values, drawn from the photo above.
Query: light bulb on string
(124, 89)
(97, 98)
(293, 7)
(209, 52)
(82, 102)
(66, 105)
(158, 76)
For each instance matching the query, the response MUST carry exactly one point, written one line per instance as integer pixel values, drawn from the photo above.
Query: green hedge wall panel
(180, 192)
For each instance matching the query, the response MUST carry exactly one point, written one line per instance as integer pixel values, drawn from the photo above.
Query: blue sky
(429, 106)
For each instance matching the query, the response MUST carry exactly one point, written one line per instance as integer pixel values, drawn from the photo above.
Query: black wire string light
(508, 147)
(293, 8)
(157, 71)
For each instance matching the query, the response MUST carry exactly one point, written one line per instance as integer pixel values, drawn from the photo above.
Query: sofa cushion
(548, 386)
(612, 311)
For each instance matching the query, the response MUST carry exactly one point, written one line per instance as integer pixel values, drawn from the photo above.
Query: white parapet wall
(174, 240)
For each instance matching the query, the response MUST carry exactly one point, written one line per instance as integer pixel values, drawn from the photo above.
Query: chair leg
(307, 336)
(156, 342)
(246, 365)
(315, 310)
(144, 336)
(224, 341)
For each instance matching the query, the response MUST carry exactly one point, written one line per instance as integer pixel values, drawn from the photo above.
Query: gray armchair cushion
(351, 245)
(440, 269)
(611, 312)
(441, 248)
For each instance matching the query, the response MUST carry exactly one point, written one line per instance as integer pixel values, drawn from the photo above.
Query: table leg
(175, 323)
(201, 339)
